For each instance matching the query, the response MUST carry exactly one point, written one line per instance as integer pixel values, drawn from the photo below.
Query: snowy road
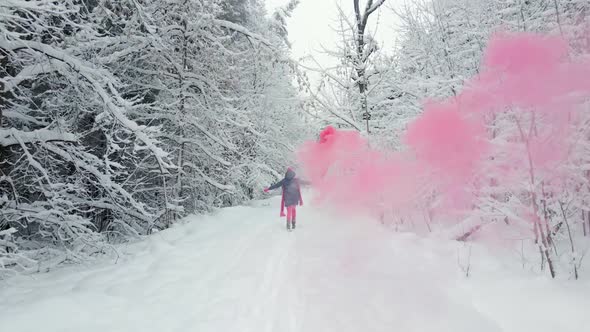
(241, 271)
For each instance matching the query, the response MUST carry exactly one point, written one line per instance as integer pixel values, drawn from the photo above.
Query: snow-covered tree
(118, 117)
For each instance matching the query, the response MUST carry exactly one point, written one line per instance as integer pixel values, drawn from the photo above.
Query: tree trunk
(557, 17)
(361, 60)
(178, 192)
(538, 226)
(584, 223)
(362, 55)
(571, 239)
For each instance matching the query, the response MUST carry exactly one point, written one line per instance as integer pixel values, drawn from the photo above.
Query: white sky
(310, 27)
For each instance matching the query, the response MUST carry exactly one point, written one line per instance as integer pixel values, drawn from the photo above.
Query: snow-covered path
(241, 271)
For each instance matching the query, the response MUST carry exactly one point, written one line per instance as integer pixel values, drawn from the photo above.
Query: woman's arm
(276, 185)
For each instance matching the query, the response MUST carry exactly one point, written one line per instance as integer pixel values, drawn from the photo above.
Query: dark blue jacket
(291, 190)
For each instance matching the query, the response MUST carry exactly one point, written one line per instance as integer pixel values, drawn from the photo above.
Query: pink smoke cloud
(446, 140)
(518, 111)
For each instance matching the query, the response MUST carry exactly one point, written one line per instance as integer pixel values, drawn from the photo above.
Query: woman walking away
(291, 196)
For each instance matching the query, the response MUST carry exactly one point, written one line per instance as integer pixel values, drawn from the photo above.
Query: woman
(291, 196)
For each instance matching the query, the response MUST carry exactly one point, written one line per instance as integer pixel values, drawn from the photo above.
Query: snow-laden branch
(9, 137)
(115, 56)
(342, 117)
(27, 73)
(114, 207)
(7, 232)
(240, 29)
(200, 127)
(182, 140)
(374, 7)
(92, 75)
(210, 180)
(325, 72)
(104, 179)
(38, 5)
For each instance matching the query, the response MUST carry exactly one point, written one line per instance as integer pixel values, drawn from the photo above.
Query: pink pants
(291, 213)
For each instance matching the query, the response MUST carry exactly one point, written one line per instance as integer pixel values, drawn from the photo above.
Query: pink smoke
(452, 148)
(446, 141)
(348, 174)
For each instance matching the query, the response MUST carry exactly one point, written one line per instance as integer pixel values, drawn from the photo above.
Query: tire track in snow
(266, 310)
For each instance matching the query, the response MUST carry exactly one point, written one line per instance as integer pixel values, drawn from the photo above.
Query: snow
(240, 270)
(242, 30)
(13, 136)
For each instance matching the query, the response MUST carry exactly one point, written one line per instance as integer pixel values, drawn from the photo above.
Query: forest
(117, 118)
